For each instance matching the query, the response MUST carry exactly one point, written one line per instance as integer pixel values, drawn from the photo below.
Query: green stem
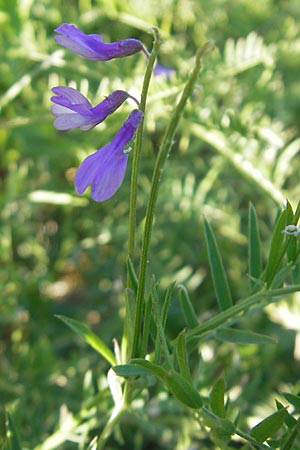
(115, 417)
(238, 308)
(138, 145)
(109, 427)
(162, 156)
(240, 433)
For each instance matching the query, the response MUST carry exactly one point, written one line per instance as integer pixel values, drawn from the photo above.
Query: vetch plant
(146, 353)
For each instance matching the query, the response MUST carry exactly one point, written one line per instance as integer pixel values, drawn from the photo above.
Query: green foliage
(267, 427)
(254, 246)
(187, 307)
(90, 338)
(216, 398)
(63, 255)
(243, 337)
(176, 383)
(218, 273)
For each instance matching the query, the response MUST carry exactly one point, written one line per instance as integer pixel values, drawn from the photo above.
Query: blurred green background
(63, 254)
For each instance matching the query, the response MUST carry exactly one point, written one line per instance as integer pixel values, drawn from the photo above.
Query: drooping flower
(73, 110)
(91, 46)
(105, 169)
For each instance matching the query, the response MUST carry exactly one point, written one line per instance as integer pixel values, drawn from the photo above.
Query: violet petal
(105, 169)
(91, 46)
(73, 110)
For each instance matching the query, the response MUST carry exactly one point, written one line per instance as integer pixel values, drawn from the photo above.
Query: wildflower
(105, 169)
(291, 230)
(73, 110)
(91, 46)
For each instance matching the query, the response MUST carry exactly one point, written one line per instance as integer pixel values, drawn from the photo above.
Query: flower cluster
(105, 169)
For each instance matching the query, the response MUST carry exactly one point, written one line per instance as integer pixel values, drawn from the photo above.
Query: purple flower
(73, 110)
(105, 169)
(91, 46)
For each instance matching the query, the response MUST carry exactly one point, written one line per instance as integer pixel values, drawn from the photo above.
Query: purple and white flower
(73, 110)
(105, 169)
(92, 46)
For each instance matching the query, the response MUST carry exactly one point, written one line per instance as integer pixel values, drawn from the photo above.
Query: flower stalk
(138, 144)
(163, 153)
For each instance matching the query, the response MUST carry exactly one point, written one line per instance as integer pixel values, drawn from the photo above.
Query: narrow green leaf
(277, 250)
(166, 304)
(13, 438)
(182, 356)
(243, 336)
(161, 340)
(127, 338)
(267, 427)
(133, 279)
(292, 249)
(217, 269)
(290, 421)
(187, 308)
(254, 246)
(146, 326)
(176, 383)
(216, 398)
(292, 398)
(90, 338)
(289, 213)
(130, 370)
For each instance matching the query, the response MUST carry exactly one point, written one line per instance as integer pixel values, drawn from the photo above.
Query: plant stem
(109, 427)
(238, 308)
(138, 145)
(240, 433)
(162, 156)
(116, 416)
